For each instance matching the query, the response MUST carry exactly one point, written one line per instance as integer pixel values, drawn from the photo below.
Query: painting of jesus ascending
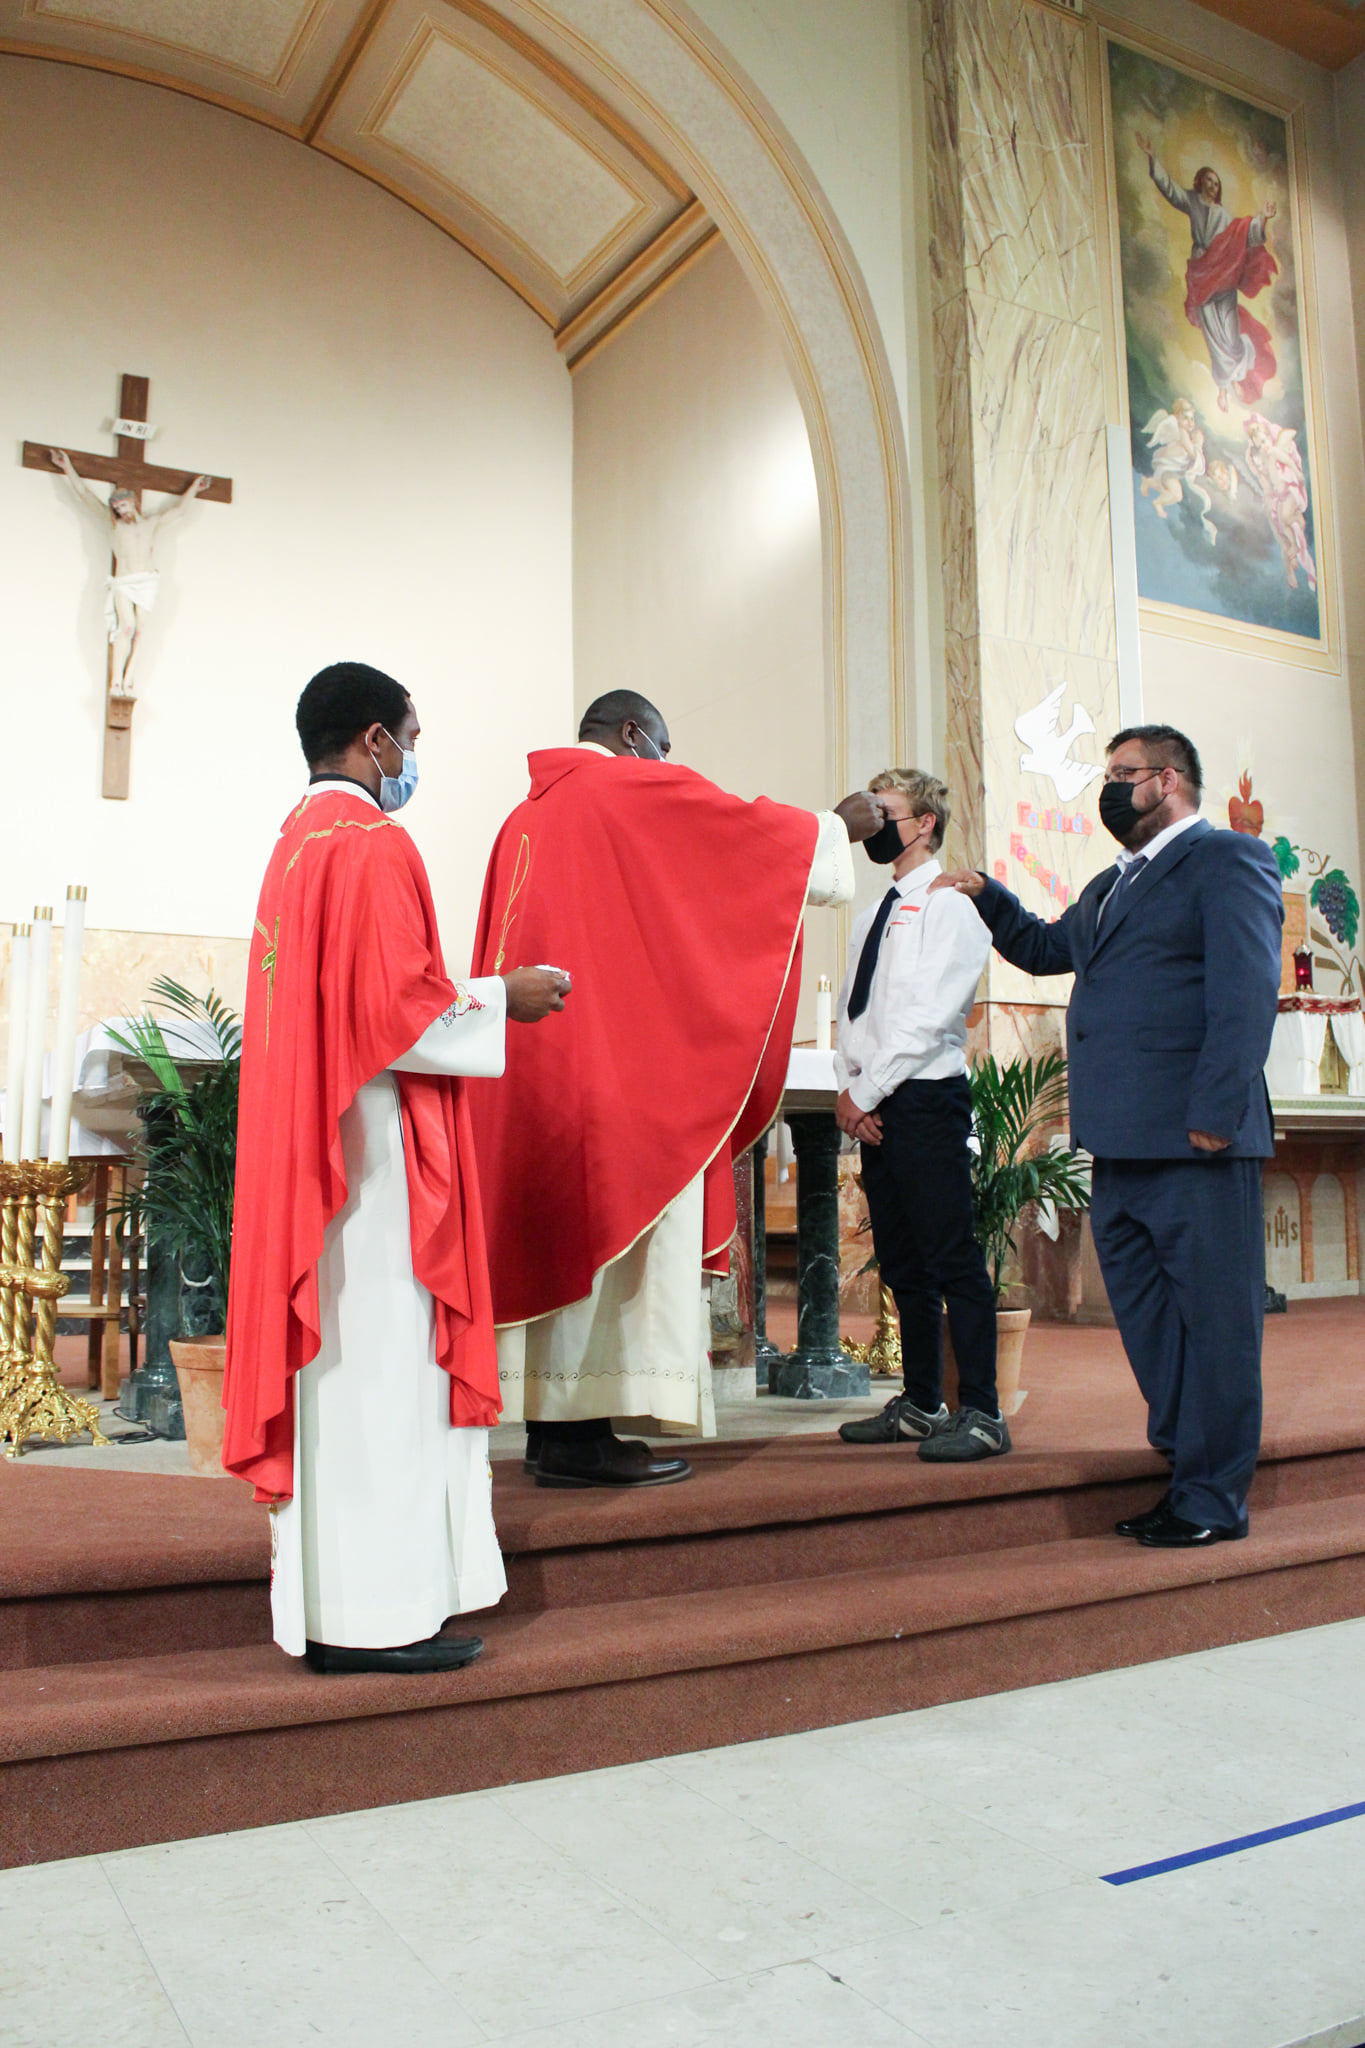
(1213, 340)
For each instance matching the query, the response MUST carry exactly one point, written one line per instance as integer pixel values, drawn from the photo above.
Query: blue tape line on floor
(1292, 1827)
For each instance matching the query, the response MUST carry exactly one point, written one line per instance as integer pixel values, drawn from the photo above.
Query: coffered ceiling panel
(270, 57)
(448, 104)
(491, 138)
(261, 41)
(490, 143)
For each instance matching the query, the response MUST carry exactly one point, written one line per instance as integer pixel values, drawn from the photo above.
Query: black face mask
(1119, 813)
(886, 843)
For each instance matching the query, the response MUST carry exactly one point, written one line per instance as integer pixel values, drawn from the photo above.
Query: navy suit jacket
(1174, 1001)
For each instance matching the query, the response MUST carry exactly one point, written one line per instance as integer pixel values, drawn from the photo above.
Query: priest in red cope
(606, 1160)
(361, 1371)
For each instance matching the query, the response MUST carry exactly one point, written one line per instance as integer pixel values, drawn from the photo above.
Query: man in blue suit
(1176, 954)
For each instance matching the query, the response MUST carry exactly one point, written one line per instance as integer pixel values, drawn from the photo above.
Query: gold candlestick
(11, 1191)
(883, 1353)
(33, 1402)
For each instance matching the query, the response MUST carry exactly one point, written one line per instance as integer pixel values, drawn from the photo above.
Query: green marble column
(818, 1370)
(152, 1394)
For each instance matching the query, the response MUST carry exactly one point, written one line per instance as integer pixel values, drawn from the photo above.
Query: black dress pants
(918, 1183)
(1181, 1245)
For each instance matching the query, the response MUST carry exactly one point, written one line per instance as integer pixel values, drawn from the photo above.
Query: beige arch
(656, 64)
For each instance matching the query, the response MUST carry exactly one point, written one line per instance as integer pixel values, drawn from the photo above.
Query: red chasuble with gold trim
(677, 909)
(346, 974)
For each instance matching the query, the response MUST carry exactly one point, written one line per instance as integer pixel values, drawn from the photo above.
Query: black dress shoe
(1173, 1532)
(1133, 1525)
(607, 1461)
(436, 1653)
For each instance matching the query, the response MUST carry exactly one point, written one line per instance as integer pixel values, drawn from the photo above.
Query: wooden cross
(131, 471)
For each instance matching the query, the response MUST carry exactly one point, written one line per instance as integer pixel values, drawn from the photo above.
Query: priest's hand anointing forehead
(862, 814)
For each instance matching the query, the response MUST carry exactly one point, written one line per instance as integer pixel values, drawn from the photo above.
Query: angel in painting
(1176, 445)
(1276, 468)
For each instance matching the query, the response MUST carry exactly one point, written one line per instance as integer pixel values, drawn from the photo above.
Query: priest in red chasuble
(361, 1369)
(606, 1155)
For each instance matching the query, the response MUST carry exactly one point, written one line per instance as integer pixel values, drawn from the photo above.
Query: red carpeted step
(67, 1530)
(54, 1711)
(194, 1578)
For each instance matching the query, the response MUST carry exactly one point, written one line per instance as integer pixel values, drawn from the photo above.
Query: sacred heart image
(1213, 340)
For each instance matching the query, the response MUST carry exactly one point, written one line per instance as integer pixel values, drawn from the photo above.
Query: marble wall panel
(1329, 1231)
(1028, 583)
(945, 240)
(1024, 1030)
(965, 841)
(1030, 231)
(1053, 711)
(118, 969)
(1022, 118)
(957, 481)
(1044, 571)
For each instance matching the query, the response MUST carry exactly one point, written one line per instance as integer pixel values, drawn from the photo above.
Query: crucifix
(131, 589)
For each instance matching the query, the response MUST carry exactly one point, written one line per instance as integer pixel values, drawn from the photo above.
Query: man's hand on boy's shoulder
(965, 880)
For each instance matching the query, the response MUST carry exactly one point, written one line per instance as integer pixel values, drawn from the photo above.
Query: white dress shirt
(1125, 857)
(915, 1025)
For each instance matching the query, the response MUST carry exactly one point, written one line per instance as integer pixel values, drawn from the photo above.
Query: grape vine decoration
(1336, 903)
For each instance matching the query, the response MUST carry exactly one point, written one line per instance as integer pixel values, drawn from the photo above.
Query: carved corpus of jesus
(132, 589)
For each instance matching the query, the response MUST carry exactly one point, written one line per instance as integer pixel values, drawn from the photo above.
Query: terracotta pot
(1011, 1328)
(199, 1368)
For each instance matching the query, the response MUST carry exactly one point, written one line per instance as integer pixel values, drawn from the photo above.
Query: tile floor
(933, 1878)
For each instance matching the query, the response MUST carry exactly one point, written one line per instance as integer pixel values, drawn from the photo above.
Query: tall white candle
(18, 1033)
(68, 1016)
(40, 954)
(824, 1014)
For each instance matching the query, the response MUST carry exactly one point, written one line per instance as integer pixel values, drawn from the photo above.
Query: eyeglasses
(1131, 775)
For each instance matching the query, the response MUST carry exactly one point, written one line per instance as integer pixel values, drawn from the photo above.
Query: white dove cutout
(1049, 751)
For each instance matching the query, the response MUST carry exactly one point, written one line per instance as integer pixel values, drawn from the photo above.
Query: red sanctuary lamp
(1303, 969)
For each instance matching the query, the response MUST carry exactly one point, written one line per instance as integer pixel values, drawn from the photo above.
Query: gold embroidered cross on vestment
(268, 962)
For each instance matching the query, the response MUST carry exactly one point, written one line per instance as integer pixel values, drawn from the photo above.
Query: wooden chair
(104, 1309)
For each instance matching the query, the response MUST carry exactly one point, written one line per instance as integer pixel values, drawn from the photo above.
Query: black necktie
(1134, 867)
(867, 959)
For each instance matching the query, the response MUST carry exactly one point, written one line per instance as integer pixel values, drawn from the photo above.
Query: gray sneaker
(900, 1421)
(966, 1435)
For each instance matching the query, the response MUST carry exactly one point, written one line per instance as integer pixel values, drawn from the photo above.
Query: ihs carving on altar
(134, 580)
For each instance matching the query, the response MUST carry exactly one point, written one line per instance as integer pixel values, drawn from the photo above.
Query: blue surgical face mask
(394, 790)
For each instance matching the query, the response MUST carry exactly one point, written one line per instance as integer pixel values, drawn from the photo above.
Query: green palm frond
(1011, 1104)
(146, 1041)
(189, 1142)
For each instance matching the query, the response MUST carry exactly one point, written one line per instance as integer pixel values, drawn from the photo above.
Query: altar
(1312, 1186)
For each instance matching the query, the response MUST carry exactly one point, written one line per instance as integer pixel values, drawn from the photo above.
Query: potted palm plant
(1011, 1172)
(189, 1153)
